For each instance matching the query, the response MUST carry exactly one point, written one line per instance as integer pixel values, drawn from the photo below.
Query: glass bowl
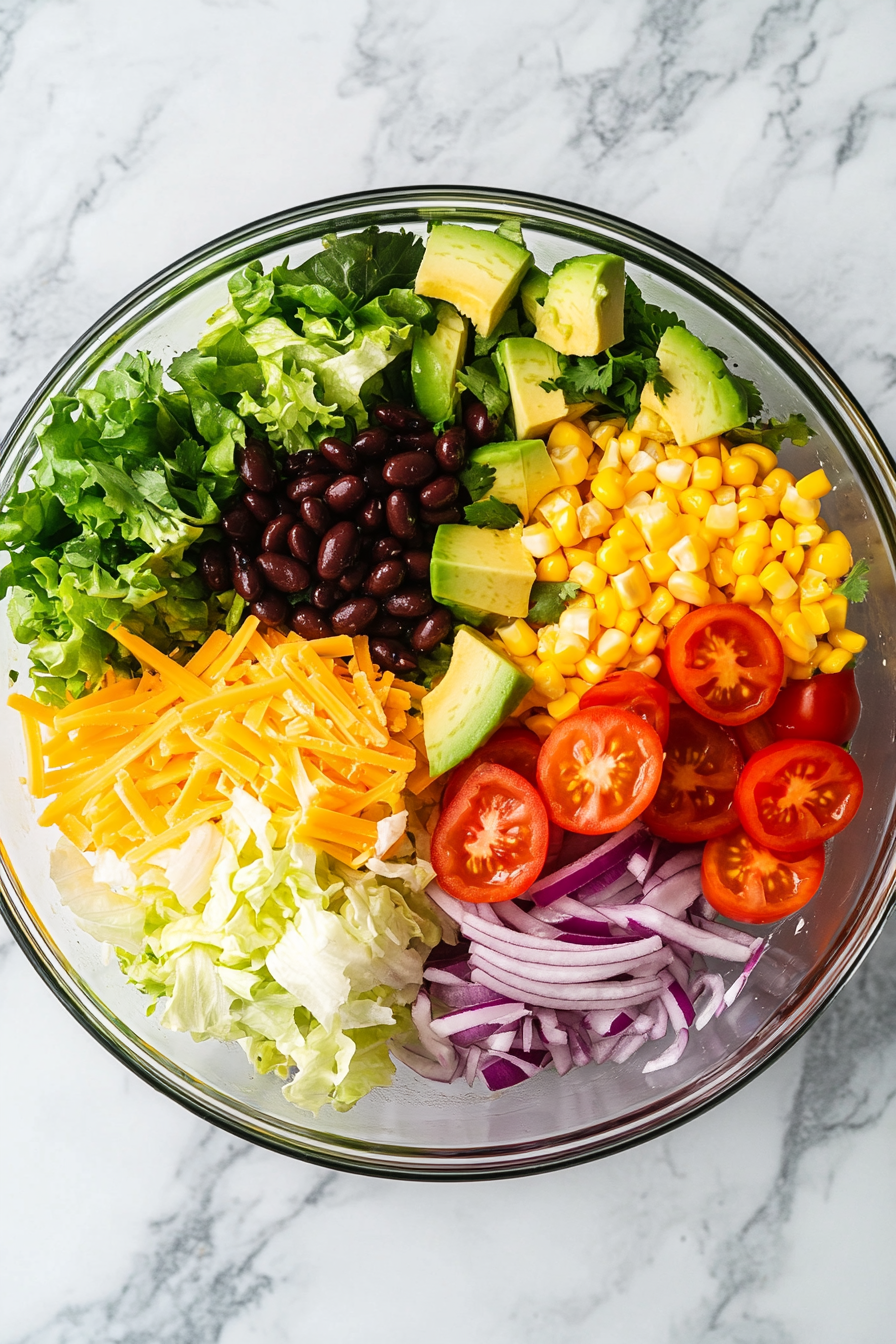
(415, 1128)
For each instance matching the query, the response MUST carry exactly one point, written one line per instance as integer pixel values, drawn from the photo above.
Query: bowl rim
(726, 295)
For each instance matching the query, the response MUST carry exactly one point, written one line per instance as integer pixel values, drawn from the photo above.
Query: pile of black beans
(350, 526)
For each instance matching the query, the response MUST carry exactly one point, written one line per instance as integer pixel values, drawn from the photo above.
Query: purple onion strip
(670, 1056)
(643, 919)
(573, 876)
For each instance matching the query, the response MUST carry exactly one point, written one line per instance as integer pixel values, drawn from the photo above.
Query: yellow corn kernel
(649, 666)
(832, 558)
(646, 421)
(814, 486)
(659, 526)
(606, 604)
(646, 638)
(594, 518)
(777, 582)
(796, 628)
(566, 526)
(578, 685)
(795, 654)
(808, 534)
(659, 606)
(721, 568)
(643, 462)
(570, 463)
(726, 494)
(722, 519)
(782, 538)
(629, 443)
(781, 610)
(664, 494)
(815, 618)
(553, 568)
(706, 473)
(768, 618)
(778, 480)
(603, 433)
(690, 554)
(657, 566)
(757, 531)
(584, 600)
(613, 645)
(581, 621)
(547, 638)
(561, 497)
(674, 473)
(836, 661)
(592, 670)
(570, 647)
(528, 664)
(747, 559)
(695, 501)
(567, 434)
(632, 587)
(625, 532)
(643, 482)
(687, 587)
(709, 447)
(678, 613)
(541, 724)
(589, 577)
(613, 557)
(798, 510)
(578, 555)
(549, 682)
(799, 671)
(752, 510)
(739, 470)
(748, 590)
(764, 458)
(628, 620)
(814, 587)
(835, 608)
(518, 638)
(608, 488)
(539, 540)
(612, 459)
(849, 640)
(793, 560)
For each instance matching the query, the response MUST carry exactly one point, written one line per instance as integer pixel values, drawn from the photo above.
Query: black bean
(353, 616)
(408, 602)
(254, 465)
(431, 630)
(388, 654)
(345, 493)
(315, 514)
(401, 514)
(303, 543)
(309, 623)
(239, 524)
(409, 468)
(299, 464)
(275, 537)
(384, 548)
(440, 493)
(401, 419)
(387, 627)
(271, 609)
(325, 595)
(371, 517)
(480, 427)
(284, 503)
(385, 578)
(371, 443)
(417, 566)
(246, 579)
(339, 455)
(372, 477)
(436, 517)
(338, 550)
(314, 484)
(284, 573)
(353, 577)
(262, 507)
(451, 449)
(414, 442)
(214, 568)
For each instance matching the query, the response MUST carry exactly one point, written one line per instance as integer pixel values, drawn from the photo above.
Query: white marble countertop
(758, 134)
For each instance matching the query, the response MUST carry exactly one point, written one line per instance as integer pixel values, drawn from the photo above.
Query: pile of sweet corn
(649, 530)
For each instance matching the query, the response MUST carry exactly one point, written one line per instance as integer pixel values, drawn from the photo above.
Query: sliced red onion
(500, 1071)
(689, 857)
(500, 1041)
(523, 922)
(626, 1046)
(703, 910)
(601, 1050)
(675, 894)
(680, 970)
(611, 953)
(550, 973)
(756, 952)
(581, 1053)
(623, 994)
(456, 909)
(670, 1056)
(624, 889)
(644, 919)
(566, 908)
(735, 935)
(458, 974)
(638, 862)
(471, 1068)
(485, 1018)
(607, 1021)
(677, 1002)
(570, 878)
(438, 1058)
(465, 995)
(711, 984)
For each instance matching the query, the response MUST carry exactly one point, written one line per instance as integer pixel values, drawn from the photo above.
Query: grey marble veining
(759, 135)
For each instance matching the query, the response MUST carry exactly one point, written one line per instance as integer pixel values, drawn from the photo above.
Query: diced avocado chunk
(527, 364)
(481, 567)
(583, 306)
(524, 473)
(481, 687)
(532, 292)
(478, 271)
(436, 360)
(705, 400)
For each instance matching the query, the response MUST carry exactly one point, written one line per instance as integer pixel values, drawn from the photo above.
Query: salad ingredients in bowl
(436, 664)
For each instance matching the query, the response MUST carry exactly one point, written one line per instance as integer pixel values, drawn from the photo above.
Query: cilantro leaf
(481, 379)
(478, 478)
(509, 325)
(548, 601)
(773, 434)
(492, 512)
(434, 664)
(855, 586)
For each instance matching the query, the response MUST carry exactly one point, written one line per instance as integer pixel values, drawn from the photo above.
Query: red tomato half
(825, 708)
(513, 746)
(794, 795)
(749, 883)
(695, 798)
(725, 662)
(492, 838)
(638, 694)
(753, 736)
(599, 769)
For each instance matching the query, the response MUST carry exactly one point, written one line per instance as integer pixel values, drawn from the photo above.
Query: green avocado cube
(476, 270)
(481, 687)
(527, 364)
(705, 400)
(582, 312)
(481, 567)
(436, 360)
(524, 473)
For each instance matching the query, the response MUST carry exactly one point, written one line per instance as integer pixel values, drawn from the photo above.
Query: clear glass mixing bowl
(415, 1128)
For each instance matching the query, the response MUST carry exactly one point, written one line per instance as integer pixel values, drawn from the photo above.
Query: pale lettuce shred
(307, 963)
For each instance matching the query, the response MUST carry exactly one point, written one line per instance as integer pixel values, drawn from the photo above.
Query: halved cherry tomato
(825, 708)
(598, 770)
(725, 662)
(753, 736)
(695, 798)
(638, 694)
(750, 883)
(491, 840)
(794, 795)
(513, 746)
